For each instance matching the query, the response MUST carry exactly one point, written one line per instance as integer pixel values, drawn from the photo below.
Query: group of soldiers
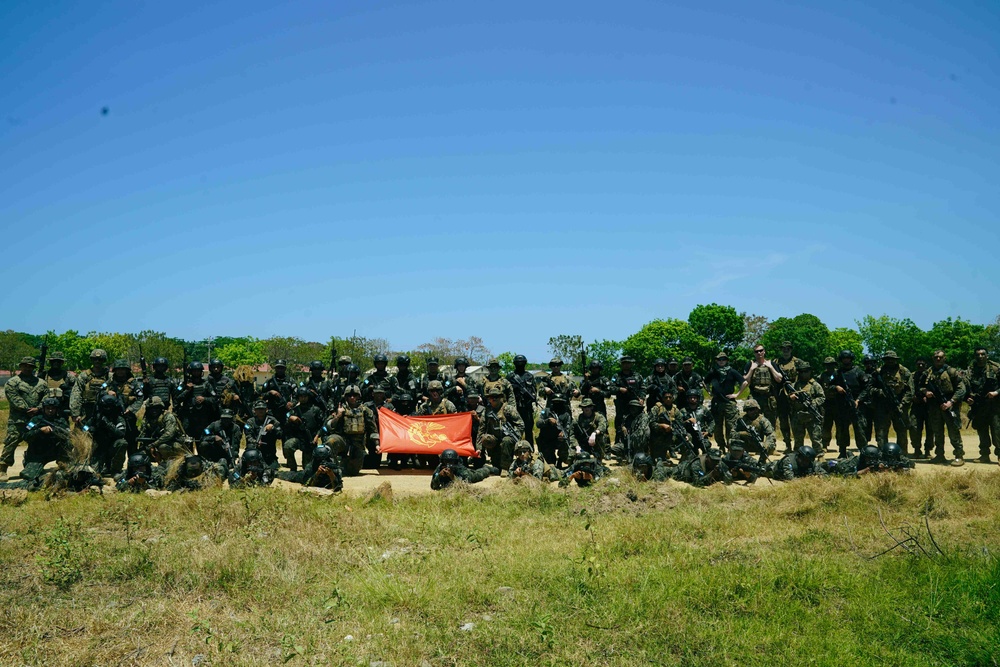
(200, 423)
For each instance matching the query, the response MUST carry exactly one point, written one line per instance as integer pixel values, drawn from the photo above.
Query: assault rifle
(330, 372)
(839, 380)
(755, 469)
(879, 383)
(980, 398)
(742, 425)
(142, 362)
(522, 388)
(932, 386)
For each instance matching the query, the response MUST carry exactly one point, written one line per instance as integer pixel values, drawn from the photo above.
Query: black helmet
(196, 366)
(280, 363)
(214, 363)
(353, 368)
(302, 391)
(806, 452)
(449, 457)
(138, 460)
(316, 366)
(193, 465)
(461, 361)
(380, 358)
(403, 360)
(869, 456)
(694, 393)
(51, 402)
(252, 457)
(845, 354)
(321, 452)
(520, 359)
(594, 363)
(433, 361)
(107, 402)
(660, 362)
(642, 465)
(160, 361)
(891, 452)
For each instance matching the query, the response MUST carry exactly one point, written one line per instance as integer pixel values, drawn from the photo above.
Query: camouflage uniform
(762, 427)
(195, 416)
(461, 473)
(660, 383)
(529, 464)
(457, 389)
(985, 412)
(804, 421)
(554, 439)
(899, 381)
(263, 440)
(952, 388)
(688, 381)
(403, 383)
(350, 434)
(584, 427)
(597, 388)
(278, 405)
(107, 428)
(763, 389)
(723, 381)
(383, 379)
(699, 424)
(46, 447)
(661, 442)
(130, 397)
(24, 395)
(301, 434)
(221, 439)
(701, 470)
(785, 409)
(163, 435)
(226, 391)
(635, 390)
(524, 397)
(89, 386)
(791, 466)
(499, 431)
(60, 382)
(491, 381)
(442, 407)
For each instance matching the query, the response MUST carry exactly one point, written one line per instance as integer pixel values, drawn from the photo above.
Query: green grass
(625, 575)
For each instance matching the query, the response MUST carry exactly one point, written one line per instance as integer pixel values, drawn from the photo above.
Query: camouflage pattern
(790, 368)
(596, 425)
(598, 389)
(499, 431)
(349, 434)
(952, 388)
(25, 398)
(899, 381)
(221, 439)
(791, 466)
(986, 421)
(300, 433)
(164, 436)
(804, 421)
(764, 429)
(260, 437)
(442, 479)
(663, 441)
(89, 386)
(388, 382)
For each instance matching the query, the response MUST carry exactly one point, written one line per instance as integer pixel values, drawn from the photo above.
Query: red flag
(430, 434)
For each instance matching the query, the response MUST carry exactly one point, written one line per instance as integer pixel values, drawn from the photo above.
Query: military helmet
(51, 402)
(353, 368)
(160, 361)
(316, 366)
(806, 452)
(493, 362)
(642, 465)
(280, 363)
(558, 398)
(694, 393)
(404, 397)
(138, 459)
(193, 465)
(627, 359)
(226, 414)
(722, 355)
(594, 363)
(555, 361)
(352, 390)
(736, 447)
(215, 363)
(660, 361)
(433, 361)
(252, 456)
(750, 404)
(461, 361)
(99, 354)
(635, 403)
(892, 451)
(520, 359)
(379, 389)
(343, 359)
(522, 446)
(870, 451)
(403, 360)
(449, 457)
(868, 359)
(435, 385)
(196, 366)
(380, 358)
(302, 391)
(121, 363)
(321, 452)
(155, 403)
(890, 354)
(845, 354)
(495, 391)
(587, 403)
(108, 401)
(28, 361)
(260, 405)
(715, 454)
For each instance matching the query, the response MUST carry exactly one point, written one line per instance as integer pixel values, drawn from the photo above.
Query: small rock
(381, 492)
(614, 481)
(505, 589)
(394, 621)
(204, 538)
(468, 627)
(487, 617)
(349, 638)
(198, 660)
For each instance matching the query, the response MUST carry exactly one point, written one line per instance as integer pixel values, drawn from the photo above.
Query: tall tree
(754, 328)
(568, 347)
(843, 338)
(668, 338)
(958, 338)
(720, 324)
(901, 336)
(807, 334)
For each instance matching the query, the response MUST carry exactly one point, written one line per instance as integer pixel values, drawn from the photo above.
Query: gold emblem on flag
(420, 433)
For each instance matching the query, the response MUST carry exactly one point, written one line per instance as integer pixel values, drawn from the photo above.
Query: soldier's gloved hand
(46, 429)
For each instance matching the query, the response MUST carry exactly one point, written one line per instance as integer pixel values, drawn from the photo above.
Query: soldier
(585, 470)
(380, 376)
(433, 374)
(984, 408)
(800, 463)
(661, 380)
(688, 379)
(891, 392)
(754, 430)
(493, 379)
(436, 404)
(741, 466)
(663, 440)
(627, 386)
(139, 475)
(47, 435)
(278, 392)
(195, 401)
(478, 411)
(943, 391)
(323, 470)
(263, 431)
(323, 391)
(590, 430)
(374, 458)
(596, 387)
(107, 428)
(60, 381)
(528, 464)
(866, 408)
(702, 469)
(25, 392)
(405, 383)
(698, 420)
(160, 384)
(634, 435)
(353, 433)
(128, 390)
(918, 411)
(555, 426)
(451, 469)
(764, 380)
(193, 473)
(558, 383)
(869, 459)
(161, 433)
(301, 428)
(252, 471)
(458, 387)
(523, 383)
(402, 404)
(500, 429)
(805, 398)
(88, 387)
(787, 364)
(842, 386)
(725, 383)
(221, 439)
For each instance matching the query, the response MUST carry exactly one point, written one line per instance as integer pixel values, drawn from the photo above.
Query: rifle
(932, 386)
(142, 362)
(879, 383)
(755, 469)
(41, 357)
(839, 380)
(980, 398)
(803, 398)
(520, 385)
(147, 443)
(333, 360)
(583, 362)
(184, 368)
(743, 425)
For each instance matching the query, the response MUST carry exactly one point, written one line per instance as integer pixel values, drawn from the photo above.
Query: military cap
(626, 359)
(344, 359)
(803, 366)
(57, 356)
(555, 361)
(280, 363)
(829, 360)
(660, 362)
(99, 354)
(786, 343)
(302, 391)
(28, 361)
(432, 361)
(121, 363)
(260, 405)
(493, 362)
(155, 402)
(586, 403)
(890, 354)
(352, 389)
(461, 361)
(473, 394)
(694, 392)
(736, 447)
(635, 403)
(722, 355)
(435, 385)
(227, 413)
(523, 445)
(495, 391)
(751, 404)
(672, 361)
(379, 389)
(686, 361)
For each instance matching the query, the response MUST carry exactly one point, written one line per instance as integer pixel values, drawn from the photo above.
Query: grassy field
(621, 574)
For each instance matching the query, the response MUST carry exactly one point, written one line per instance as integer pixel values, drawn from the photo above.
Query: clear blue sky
(511, 171)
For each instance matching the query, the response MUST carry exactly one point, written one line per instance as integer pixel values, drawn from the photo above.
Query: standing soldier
(501, 428)
(436, 404)
(353, 433)
(661, 380)
(405, 382)
(596, 387)
(726, 383)
(943, 391)
(88, 387)
(458, 387)
(984, 408)
(524, 395)
(478, 411)
(805, 398)
(764, 380)
(627, 386)
(380, 376)
(159, 384)
(842, 387)
(322, 390)
(891, 392)
(224, 386)
(918, 411)
(128, 390)
(60, 381)
(278, 392)
(556, 383)
(787, 364)
(196, 403)
(866, 397)
(433, 374)
(493, 379)
(688, 379)
(25, 393)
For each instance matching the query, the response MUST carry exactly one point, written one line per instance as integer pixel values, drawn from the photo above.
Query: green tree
(568, 347)
(608, 352)
(506, 360)
(843, 338)
(754, 328)
(73, 346)
(720, 324)
(668, 338)
(808, 335)
(13, 347)
(361, 350)
(901, 336)
(242, 352)
(117, 345)
(958, 338)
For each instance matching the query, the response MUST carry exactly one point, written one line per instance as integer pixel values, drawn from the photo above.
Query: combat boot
(3, 472)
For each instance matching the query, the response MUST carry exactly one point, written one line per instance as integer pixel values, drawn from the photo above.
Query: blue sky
(416, 170)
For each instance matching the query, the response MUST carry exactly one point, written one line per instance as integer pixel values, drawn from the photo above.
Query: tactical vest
(560, 384)
(92, 386)
(789, 368)
(162, 387)
(944, 380)
(354, 421)
(488, 384)
(761, 380)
